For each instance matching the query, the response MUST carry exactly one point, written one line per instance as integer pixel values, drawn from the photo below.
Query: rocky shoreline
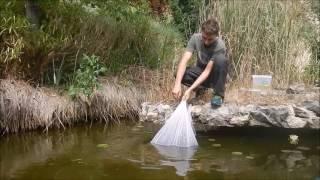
(299, 115)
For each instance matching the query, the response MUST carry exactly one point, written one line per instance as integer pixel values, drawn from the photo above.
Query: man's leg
(219, 75)
(218, 78)
(191, 74)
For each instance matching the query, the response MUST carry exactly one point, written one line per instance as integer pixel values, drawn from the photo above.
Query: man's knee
(189, 76)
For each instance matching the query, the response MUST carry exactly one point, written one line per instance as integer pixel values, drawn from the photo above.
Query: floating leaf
(102, 145)
(77, 159)
(249, 157)
(237, 153)
(216, 145)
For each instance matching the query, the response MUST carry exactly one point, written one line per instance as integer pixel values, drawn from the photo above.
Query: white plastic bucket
(261, 81)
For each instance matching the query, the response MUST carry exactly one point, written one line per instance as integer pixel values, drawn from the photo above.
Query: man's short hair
(211, 27)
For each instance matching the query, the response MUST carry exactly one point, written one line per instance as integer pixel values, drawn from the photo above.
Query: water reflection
(292, 160)
(177, 157)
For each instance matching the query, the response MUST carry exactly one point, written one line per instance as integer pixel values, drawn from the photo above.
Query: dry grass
(114, 102)
(267, 37)
(23, 107)
(157, 85)
(263, 37)
(242, 94)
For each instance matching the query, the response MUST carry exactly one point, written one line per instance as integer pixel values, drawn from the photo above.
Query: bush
(186, 15)
(121, 33)
(85, 79)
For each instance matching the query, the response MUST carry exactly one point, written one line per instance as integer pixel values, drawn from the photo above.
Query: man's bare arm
(203, 76)
(180, 72)
(182, 66)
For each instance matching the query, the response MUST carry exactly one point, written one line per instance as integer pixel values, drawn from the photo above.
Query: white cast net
(178, 129)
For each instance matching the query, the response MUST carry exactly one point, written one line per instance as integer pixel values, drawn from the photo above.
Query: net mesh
(178, 129)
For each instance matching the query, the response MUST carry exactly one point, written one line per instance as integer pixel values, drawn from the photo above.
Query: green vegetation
(121, 33)
(263, 37)
(76, 41)
(85, 79)
(186, 15)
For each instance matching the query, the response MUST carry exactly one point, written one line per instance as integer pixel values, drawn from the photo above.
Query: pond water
(124, 152)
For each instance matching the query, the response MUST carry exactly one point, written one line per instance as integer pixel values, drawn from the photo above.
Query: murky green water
(124, 152)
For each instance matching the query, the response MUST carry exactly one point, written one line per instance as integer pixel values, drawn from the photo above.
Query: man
(211, 67)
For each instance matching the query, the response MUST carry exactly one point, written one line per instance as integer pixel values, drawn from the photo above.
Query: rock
(152, 115)
(301, 112)
(258, 118)
(217, 117)
(295, 89)
(164, 111)
(196, 110)
(162, 108)
(152, 108)
(240, 120)
(142, 113)
(313, 106)
(144, 109)
(232, 115)
(295, 122)
(273, 116)
(255, 123)
(245, 110)
(217, 120)
(314, 122)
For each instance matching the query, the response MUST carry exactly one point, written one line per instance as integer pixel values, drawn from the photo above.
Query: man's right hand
(177, 91)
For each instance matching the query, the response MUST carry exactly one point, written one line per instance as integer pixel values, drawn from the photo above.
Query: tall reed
(267, 37)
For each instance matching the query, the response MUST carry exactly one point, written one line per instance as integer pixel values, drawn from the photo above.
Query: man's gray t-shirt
(205, 54)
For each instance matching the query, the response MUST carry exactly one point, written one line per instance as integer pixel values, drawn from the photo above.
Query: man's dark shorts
(192, 73)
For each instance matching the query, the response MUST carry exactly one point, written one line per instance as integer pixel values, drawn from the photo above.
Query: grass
(120, 33)
(53, 56)
(263, 37)
(268, 37)
(23, 107)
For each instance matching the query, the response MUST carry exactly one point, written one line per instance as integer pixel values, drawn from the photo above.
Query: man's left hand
(186, 95)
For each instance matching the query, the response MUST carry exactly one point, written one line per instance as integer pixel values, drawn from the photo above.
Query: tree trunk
(33, 13)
